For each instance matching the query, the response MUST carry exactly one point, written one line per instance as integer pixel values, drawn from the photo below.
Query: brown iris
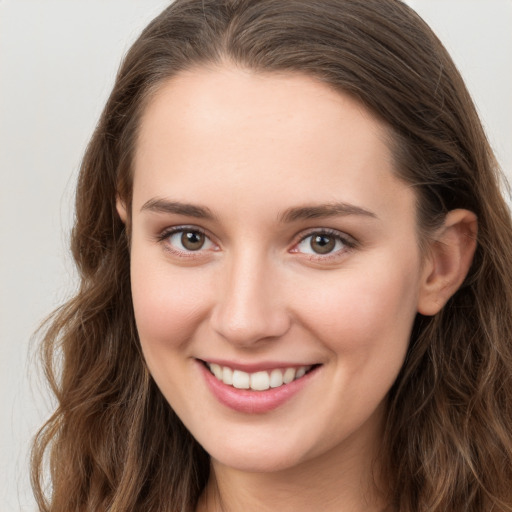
(192, 240)
(322, 244)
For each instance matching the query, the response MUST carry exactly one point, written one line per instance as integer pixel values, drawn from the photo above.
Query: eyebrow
(322, 211)
(159, 205)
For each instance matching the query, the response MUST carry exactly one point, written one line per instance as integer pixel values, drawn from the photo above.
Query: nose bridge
(249, 307)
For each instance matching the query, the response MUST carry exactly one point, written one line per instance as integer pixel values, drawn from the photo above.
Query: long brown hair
(114, 443)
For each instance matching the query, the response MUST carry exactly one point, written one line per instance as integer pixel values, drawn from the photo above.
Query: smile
(258, 391)
(257, 381)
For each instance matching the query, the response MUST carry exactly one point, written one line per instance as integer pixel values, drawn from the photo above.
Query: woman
(295, 282)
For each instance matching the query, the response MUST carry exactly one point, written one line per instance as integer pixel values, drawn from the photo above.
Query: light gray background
(58, 59)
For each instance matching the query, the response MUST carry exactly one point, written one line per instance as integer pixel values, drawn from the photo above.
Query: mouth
(256, 389)
(259, 380)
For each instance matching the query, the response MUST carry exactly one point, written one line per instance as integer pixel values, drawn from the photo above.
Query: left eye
(321, 243)
(189, 240)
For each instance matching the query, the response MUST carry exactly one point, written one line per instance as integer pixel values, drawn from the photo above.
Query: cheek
(168, 303)
(364, 313)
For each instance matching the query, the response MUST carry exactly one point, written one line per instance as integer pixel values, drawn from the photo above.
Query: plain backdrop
(58, 59)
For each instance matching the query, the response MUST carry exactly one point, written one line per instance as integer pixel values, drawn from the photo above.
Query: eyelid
(168, 232)
(348, 241)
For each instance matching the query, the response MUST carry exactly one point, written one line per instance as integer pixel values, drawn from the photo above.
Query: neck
(343, 480)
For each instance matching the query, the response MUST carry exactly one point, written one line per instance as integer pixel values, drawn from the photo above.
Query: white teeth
(216, 370)
(227, 375)
(289, 375)
(276, 378)
(300, 372)
(258, 381)
(241, 380)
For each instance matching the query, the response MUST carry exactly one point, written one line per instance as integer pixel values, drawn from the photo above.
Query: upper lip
(256, 367)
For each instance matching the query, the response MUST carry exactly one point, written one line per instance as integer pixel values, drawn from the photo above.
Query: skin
(248, 148)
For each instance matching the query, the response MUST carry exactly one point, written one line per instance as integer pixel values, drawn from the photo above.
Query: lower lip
(253, 402)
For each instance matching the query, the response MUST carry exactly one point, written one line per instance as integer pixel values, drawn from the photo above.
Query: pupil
(322, 244)
(192, 240)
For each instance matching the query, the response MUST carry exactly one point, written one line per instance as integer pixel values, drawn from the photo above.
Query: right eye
(187, 240)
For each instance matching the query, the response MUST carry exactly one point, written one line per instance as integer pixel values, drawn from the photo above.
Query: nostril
(249, 327)
(248, 307)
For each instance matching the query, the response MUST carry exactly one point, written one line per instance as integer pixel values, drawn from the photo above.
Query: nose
(249, 304)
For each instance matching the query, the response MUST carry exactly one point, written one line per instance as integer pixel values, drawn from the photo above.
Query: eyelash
(348, 242)
(166, 234)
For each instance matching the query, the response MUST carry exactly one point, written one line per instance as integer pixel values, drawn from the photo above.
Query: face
(275, 265)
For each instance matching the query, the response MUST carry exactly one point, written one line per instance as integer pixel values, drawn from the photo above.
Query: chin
(256, 460)
(262, 454)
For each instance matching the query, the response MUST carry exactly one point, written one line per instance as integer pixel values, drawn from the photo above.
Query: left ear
(447, 263)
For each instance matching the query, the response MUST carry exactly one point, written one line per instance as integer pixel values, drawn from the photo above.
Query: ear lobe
(121, 209)
(449, 260)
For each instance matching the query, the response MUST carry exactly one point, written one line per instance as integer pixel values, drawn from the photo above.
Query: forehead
(242, 134)
(272, 107)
